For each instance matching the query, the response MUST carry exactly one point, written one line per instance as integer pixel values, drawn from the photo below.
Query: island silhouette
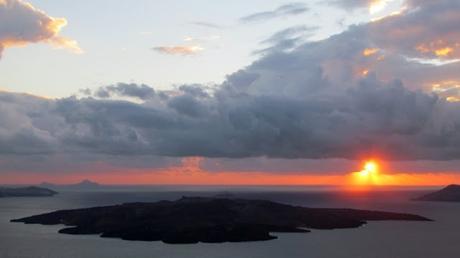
(450, 193)
(209, 220)
(30, 191)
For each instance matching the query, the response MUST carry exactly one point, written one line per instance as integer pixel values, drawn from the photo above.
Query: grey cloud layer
(127, 90)
(306, 118)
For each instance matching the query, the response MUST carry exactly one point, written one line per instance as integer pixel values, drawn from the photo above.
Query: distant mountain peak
(87, 182)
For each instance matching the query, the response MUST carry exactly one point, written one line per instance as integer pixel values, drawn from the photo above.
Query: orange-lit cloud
(370, 51)
(421, 29)
(443, 51)
(360, 72)
(439, 48)
(448, 89)
(179, 50)
(22, 24)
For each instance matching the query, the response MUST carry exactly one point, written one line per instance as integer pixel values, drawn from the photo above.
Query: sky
(240, 92)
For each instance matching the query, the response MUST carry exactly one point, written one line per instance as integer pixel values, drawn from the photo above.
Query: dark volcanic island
(210, 220)
(450, 193)
(31, 191)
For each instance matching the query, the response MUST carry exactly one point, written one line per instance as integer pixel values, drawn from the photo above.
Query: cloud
(206, 38)
(22, 24)
(347, 4)
(178, 50)
(286, 10)
(287, 39)
(207, 24)
(351, 96)
(132, 90)
(301, 119)
(426, 29)
(374, 6)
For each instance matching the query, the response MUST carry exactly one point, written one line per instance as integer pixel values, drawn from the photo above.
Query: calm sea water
(375, 240)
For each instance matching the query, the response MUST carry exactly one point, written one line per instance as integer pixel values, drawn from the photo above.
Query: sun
(369, 175)
(370, 168)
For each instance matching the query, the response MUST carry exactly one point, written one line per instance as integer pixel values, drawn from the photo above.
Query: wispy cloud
(178, 50)
(286, 39)
(289, 33)
(206, 38)
(207, 24)
(282, 11)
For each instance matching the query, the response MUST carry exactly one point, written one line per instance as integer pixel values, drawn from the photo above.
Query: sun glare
(370, 167)
(369, 175)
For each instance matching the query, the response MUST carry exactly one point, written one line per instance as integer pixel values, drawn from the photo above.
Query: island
(31, 191)
(208, 220)
(450, 193)
(84, 185)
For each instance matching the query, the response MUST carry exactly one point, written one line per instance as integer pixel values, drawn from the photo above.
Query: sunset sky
(230, 92)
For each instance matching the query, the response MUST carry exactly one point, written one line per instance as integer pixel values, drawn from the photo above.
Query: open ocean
(388, 239)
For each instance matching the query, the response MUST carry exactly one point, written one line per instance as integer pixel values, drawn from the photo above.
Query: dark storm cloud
(327, 123)
(286, 10)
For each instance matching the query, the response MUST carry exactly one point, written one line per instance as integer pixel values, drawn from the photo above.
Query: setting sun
(370, 168)
(369, 175)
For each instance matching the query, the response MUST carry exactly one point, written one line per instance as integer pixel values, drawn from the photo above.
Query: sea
(388, 239)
